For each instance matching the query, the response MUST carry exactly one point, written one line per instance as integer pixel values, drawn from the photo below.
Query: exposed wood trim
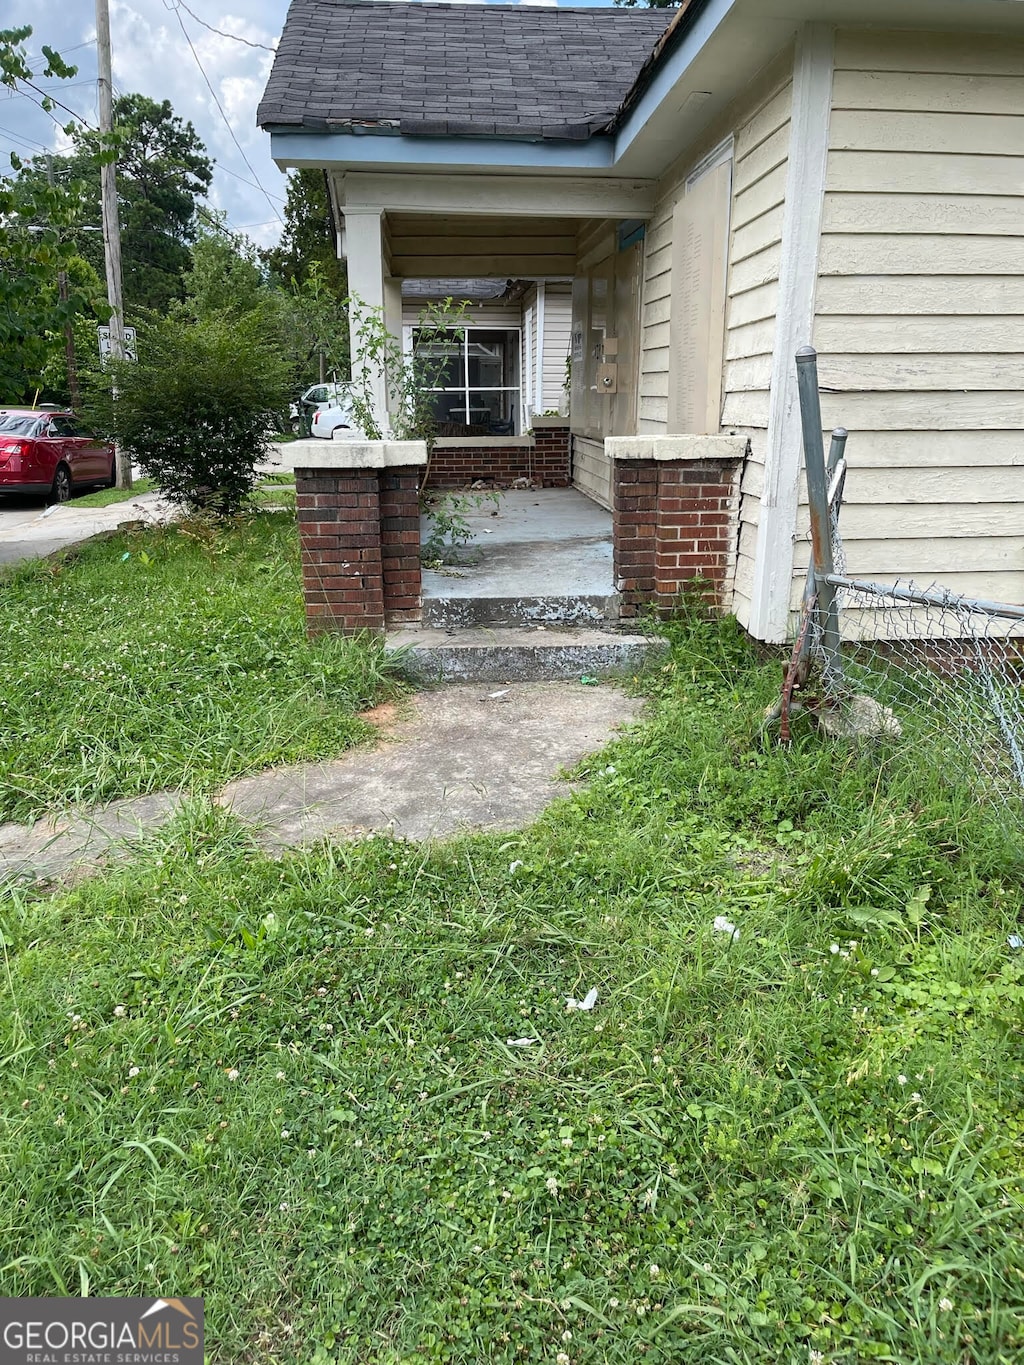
(520, 195)
(801, 240)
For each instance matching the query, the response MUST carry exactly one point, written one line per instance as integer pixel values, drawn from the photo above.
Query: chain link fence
(937, 673)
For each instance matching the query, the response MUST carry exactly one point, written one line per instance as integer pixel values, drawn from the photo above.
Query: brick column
(340, 543)
(634, 526)
(358, 518)
(400, 544)
(675, 519)
(552, 456)
(697, 527)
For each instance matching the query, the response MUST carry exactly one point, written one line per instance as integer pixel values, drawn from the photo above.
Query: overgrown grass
(290, 1086)
(165, 658)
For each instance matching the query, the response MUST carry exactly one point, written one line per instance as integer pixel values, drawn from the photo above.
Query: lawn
(174, 657)
(295, 1087)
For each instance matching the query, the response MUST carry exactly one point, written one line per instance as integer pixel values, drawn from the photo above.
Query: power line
(227, 125)
(25, 142)
(228, 171)
(219, 31)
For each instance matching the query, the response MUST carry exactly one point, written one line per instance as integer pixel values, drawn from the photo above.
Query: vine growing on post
(411, 378)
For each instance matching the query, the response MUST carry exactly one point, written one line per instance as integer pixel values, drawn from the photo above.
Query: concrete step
(569, 609)
(512, 654)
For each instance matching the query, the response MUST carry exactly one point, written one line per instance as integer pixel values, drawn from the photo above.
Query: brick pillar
(552, 453)
(634, 520)
(400, 544)
(696, 529)
(340, 540)
(675, 520)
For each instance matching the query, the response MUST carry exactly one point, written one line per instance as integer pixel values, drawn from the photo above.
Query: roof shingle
(473, 70)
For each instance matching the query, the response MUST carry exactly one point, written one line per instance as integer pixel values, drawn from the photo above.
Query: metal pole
(111, 219)
(817, 497)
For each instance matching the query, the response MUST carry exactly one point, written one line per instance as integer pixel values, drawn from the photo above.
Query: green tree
(226, 275)
(308, 239)
(162, 173)
(36, 246)
(196, 410)
(306, 262)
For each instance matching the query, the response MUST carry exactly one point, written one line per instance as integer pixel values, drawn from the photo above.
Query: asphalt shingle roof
(457, 70)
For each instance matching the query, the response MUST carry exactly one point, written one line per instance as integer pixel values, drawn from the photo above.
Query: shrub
(196, 410)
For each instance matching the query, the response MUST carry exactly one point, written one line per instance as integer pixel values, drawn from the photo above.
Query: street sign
(130, 352)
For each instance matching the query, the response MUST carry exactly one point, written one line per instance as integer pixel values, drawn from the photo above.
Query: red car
(50, 452)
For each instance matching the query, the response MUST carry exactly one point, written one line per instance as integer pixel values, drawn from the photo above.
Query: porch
(538, 557)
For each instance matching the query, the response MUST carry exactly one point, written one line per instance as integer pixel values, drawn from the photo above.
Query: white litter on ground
(587, 1003)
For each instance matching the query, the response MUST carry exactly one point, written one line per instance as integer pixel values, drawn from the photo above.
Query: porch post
(364, 253)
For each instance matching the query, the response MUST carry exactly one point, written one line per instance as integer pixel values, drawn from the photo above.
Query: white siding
(760, 125)
(920, 306)
(557, 330)
(592, 470)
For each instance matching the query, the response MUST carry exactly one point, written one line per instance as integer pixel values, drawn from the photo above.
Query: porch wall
(760, 126)
(920, 307)
(543, 457)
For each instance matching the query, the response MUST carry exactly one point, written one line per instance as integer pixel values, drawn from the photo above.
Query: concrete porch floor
(551, 542)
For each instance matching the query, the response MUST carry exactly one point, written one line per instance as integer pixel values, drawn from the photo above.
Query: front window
(477, 381)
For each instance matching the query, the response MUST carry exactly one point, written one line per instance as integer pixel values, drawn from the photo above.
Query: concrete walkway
(28, 531)
(473, 757)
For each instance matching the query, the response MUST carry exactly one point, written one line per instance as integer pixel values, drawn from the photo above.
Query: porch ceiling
(426, 246)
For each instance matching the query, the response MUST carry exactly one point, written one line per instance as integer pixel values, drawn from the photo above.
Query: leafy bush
(196, 410)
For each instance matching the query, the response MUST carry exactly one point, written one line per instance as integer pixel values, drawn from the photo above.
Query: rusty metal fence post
(818, 477)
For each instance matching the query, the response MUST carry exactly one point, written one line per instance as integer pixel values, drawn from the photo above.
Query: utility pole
(69, 331)
(111, 220)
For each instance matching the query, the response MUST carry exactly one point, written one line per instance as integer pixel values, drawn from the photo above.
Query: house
(722, 183)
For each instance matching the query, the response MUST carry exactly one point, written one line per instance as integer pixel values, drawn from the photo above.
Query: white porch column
(364, 253)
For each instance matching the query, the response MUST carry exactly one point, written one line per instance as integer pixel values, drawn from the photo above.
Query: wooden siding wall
(592, 470)
(920, 306)
(761, 129)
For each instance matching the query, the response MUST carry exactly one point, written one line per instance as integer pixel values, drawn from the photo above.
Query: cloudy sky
(151, 54)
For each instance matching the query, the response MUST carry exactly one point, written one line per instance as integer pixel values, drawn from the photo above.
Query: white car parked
(336, 420)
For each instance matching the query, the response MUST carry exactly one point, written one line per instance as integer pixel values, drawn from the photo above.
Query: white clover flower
(551, 1184)
(945, 1305)
(119, 1011)
(285, 1133)
(567, 1335)
(232, 1074)
(833, 948)
(280, 1076)
(901, 1079)
(561, 1358)
(654, 1271)
(133, 1071)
